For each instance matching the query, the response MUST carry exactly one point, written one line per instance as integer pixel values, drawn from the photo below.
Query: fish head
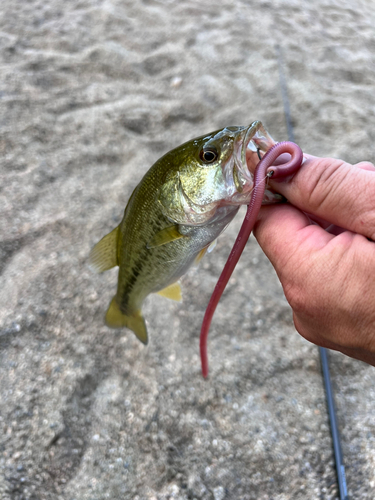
(213, 170)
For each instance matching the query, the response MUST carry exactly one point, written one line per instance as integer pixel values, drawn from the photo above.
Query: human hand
(328, 279)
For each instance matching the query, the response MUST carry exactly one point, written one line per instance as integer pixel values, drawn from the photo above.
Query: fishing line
(335, 433)
(265, 178)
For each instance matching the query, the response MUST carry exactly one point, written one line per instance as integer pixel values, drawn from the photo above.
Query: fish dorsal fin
(164, 236)
(115, 318)
(172, 291)
(104, 254)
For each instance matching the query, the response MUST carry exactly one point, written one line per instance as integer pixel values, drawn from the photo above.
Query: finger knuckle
(366, 218)
(322, 183)
(339, 189)
(296, 296)
(365, 165)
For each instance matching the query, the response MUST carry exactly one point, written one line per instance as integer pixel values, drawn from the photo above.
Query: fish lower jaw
(270, 197)
(239, 198)
(239, 181)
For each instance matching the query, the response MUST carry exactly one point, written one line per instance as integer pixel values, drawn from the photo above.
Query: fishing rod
(335, 433)
(339, 459)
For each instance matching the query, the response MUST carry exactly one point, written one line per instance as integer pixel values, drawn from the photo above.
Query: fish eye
(208, 155)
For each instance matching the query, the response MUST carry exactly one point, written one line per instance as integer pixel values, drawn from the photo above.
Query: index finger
(335, 191)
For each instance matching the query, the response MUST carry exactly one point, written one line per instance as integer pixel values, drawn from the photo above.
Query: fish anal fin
(164, 236)
(172, 292)
(115, 318)
(104, 254)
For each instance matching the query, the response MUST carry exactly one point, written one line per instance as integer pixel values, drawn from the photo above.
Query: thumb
(338, 192)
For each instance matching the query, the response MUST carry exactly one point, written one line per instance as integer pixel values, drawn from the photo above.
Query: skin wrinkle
(327, 275)
(304, 192)
(303, 235)
(315, 256)
(364, 218)
(323, 302)
(335, 253)
(368, 218)
(281, 214)
(296, 291)
(365, 165)
(321, 197)
(345, 343)
(364, 285)
(314, 337)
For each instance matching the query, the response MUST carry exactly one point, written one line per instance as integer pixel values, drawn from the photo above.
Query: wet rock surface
(92, 93)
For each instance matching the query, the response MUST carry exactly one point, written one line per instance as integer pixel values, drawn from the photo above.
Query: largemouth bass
(180, 207)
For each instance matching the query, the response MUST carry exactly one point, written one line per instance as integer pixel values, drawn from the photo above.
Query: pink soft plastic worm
(264, 170)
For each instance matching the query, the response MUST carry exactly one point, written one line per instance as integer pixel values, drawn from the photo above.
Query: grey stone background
(92, 92)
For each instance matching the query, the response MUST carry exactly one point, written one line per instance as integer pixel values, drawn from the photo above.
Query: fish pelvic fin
(115, 318)
(104, 254)
(172, 291)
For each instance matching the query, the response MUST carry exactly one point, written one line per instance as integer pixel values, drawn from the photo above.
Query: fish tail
(115, 318)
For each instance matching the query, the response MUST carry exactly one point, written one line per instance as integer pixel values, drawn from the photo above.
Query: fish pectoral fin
(115, 318)
(172, 292)
(164, 236)
(203, 252)
(212, 246)
(104, 254)
(200, 256)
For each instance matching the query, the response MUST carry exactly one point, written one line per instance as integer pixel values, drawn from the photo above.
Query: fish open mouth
(251, 145)
(256, 143)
